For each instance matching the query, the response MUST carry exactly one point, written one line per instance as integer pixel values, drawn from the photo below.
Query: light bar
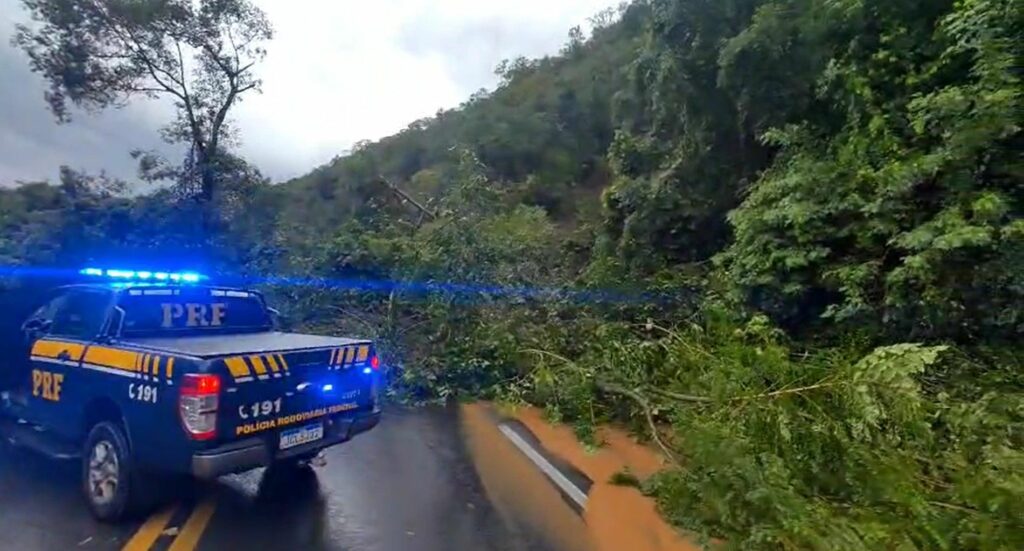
(143, 275)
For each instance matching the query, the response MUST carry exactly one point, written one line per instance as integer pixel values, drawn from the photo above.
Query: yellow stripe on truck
(257, 365)
(273, 363)
(364, 352)
(52, 349)
(236, 365)
(128, 361)
(112, 357)
(46, 349)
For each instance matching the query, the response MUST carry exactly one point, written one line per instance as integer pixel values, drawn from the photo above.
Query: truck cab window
(80, 314)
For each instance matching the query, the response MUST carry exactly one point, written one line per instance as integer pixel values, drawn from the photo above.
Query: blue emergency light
(144, 275)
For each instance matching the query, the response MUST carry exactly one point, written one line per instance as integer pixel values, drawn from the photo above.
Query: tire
(112, 486)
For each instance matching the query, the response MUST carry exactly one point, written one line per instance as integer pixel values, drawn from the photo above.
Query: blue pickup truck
(138, 374)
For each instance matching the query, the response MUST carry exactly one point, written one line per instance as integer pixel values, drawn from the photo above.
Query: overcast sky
(337, 71)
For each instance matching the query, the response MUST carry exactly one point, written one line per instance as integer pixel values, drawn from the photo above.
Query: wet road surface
(41, 507)
(408, 484)
(411, 483)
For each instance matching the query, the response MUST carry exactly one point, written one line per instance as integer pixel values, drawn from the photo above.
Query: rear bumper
(252, 453)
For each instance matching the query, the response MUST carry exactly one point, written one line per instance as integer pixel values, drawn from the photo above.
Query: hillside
(543, 133)
(826, 198)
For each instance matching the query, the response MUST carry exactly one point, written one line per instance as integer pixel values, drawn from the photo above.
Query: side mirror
(277, 318)
(35, 328)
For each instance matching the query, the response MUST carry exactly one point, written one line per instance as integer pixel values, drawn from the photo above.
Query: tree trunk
(206, 164)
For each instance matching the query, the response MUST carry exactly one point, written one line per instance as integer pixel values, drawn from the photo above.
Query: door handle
(64, 355)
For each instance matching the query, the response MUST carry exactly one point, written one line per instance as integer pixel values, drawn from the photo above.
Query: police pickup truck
(161, 373)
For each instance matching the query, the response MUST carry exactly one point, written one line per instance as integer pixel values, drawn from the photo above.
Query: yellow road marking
(150, 531)
(194, 527)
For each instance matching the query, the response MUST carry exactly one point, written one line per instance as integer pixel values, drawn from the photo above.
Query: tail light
(197, 405)
(375, 382)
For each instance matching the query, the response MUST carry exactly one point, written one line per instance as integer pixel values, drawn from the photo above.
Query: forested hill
(826, 198)
(542, 134)
(783, 239)
(836, 134)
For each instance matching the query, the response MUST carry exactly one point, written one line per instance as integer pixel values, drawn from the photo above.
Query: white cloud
(339, 71)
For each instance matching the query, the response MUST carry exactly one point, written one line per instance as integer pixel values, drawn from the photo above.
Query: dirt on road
(615, 517)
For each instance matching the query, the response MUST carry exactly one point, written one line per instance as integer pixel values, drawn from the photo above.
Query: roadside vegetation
(781, 239)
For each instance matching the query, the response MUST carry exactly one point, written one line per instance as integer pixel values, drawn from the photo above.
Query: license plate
(302, 435)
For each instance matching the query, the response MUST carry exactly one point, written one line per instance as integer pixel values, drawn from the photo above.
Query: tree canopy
(101, 53)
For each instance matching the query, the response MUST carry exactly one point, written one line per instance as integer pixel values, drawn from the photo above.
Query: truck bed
(247, 343)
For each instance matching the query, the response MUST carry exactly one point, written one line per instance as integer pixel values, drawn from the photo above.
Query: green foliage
(873, 200)
(842, 448)
(459, 283)
(624, 478)
(904, 218)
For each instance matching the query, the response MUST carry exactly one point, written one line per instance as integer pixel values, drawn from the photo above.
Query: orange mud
(519, 491)
(617, 518)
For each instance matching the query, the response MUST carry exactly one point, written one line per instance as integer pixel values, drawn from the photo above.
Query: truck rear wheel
(110, 481)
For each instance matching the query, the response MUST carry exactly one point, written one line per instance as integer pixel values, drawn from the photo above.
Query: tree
(575, 43)
(201, 53)
(901, 210)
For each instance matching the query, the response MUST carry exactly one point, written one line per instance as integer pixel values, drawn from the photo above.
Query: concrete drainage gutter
(573, 485)
(541, 479)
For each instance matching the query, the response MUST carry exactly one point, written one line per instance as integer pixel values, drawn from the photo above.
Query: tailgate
(268, 392)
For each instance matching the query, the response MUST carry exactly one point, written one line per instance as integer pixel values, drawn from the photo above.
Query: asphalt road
(411, 483)
(41, 507)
